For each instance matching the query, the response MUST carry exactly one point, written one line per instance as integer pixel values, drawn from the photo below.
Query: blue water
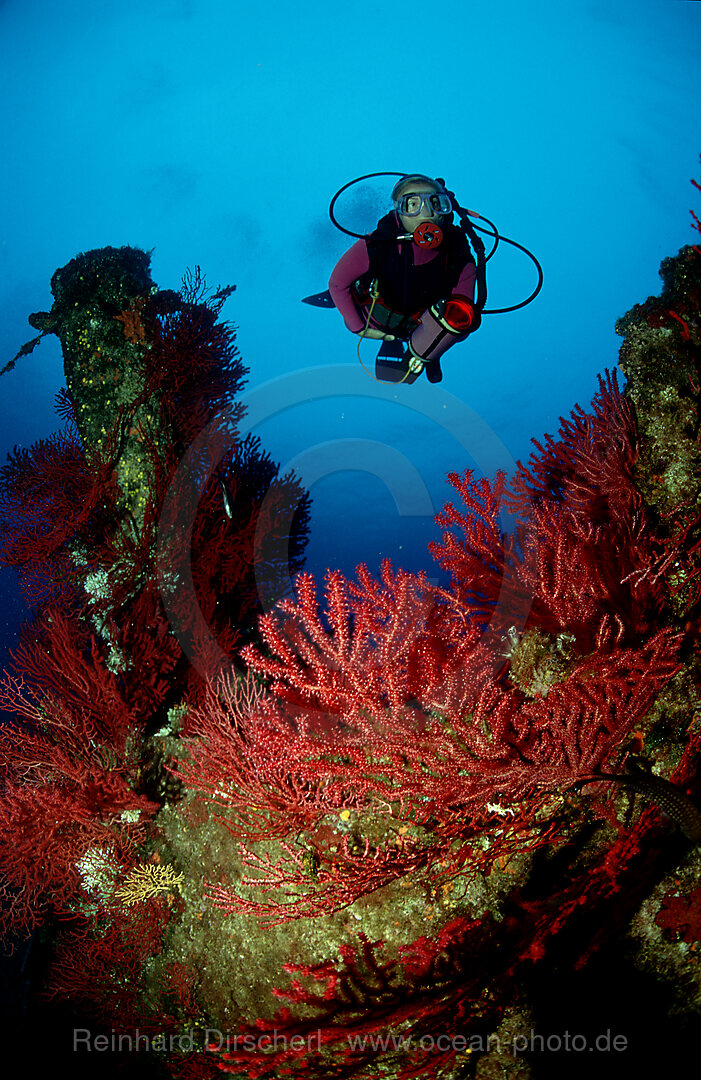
(215, 132)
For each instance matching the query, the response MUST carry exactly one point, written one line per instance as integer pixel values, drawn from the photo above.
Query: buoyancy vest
(403, 286)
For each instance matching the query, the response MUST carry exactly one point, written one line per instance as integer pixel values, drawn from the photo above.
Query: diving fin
(392, 363)
(321, 299)
(392, 349)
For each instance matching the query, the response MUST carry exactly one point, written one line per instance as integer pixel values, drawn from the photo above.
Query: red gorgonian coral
(392, 703)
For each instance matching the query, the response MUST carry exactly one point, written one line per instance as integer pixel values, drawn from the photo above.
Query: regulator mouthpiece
(428, 235)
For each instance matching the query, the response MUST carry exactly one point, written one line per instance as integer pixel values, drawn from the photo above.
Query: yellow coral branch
(147, 880)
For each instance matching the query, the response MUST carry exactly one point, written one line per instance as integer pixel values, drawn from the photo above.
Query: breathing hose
(471, 231)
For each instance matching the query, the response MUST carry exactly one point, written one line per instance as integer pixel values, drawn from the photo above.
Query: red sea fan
(362, 1005)
(590, 465)
(62, 818)
(67, 765)
(192, 363)
(50, 501)
(389, 700)
(358, 655)
(356, 723)
(579, 556)
(247, 541)
(101, 967)
(62, 661)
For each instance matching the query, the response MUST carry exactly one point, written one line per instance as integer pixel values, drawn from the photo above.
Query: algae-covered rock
(98, 314)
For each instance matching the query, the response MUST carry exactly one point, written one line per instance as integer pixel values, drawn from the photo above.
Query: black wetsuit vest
(407, 288)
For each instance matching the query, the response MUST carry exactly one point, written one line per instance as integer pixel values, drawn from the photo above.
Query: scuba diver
(410, 283)
(413, 283)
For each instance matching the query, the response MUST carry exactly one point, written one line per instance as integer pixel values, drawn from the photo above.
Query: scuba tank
(441, 326)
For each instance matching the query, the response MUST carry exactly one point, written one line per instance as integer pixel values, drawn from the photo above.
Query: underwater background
(215, 134)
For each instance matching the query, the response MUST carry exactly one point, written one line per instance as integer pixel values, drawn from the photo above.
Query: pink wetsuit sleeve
(466, 282)
(347, 270)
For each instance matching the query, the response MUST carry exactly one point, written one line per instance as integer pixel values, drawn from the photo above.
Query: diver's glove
(372, 332)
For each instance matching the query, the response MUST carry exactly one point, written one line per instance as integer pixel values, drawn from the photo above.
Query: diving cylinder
(441, 326)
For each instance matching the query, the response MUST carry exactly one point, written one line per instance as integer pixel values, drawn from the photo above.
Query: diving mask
(411, 204)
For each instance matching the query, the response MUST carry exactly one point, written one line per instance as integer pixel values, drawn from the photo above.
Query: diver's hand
(416, 365)
(371, 332)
